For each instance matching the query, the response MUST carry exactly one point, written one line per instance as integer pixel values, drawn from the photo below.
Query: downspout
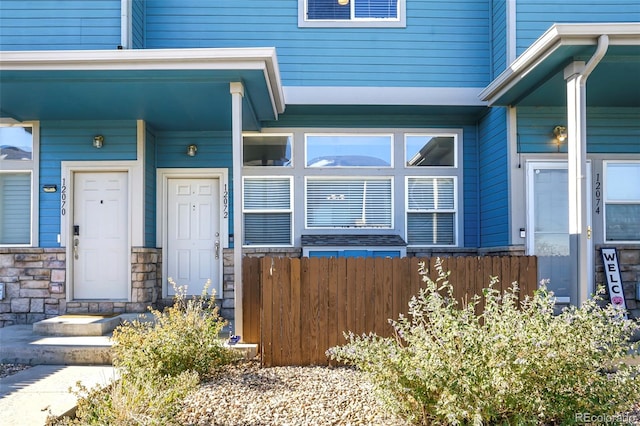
(576, 75)
(126, 19)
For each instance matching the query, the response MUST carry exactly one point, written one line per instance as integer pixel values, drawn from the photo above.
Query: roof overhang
(535, 78)
(173, 89)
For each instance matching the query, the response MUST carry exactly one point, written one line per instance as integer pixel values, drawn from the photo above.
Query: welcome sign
(612, 272)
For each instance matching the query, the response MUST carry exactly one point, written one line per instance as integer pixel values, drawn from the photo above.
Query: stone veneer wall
(35, 285)
(629, 262)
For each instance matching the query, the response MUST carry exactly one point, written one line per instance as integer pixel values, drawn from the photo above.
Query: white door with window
(100, 247)
(194, 252)
(548, 225)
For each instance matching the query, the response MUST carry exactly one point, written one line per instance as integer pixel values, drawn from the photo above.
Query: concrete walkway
(59, 363)
(29, 396)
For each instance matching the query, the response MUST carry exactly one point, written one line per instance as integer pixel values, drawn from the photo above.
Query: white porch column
(237, 93)
(577, 153)
(576, 75)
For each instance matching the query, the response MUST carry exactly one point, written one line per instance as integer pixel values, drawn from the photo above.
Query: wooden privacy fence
(298, 308)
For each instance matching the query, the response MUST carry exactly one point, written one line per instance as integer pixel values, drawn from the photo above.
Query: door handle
(76, 242)
(217, 249)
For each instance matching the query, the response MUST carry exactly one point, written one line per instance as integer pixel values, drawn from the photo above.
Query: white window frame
(606, 201)
(433, 135)
(290, 210)
(18, 166)
(352, 134)
(390, 179)
(399, 22)
(456, 210)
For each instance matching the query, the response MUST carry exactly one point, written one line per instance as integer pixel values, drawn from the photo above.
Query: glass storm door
(548, 225)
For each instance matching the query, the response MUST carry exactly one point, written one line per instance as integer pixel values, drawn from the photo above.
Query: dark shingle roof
(353, 240)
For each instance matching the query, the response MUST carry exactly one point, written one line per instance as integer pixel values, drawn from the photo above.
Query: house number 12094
(63, 197)
(598, 192)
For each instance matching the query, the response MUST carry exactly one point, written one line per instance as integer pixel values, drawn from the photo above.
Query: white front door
(193, 234)
(548, 224)
(100, 247)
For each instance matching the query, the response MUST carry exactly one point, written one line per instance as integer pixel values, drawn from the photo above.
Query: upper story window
(349, 150)
(16, 185)
(622, 201)
(352, 13)
(267, 150)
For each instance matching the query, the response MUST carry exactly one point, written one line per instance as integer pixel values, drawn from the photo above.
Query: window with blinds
(337, 10)
(431, 211)
(622, 201)
(15, 208)
(349, 203)
(267, 211)
(16, 174)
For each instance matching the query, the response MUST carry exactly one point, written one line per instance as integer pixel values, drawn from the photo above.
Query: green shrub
(513, 364)
(159, 362)
(185, 337)
(132, 400)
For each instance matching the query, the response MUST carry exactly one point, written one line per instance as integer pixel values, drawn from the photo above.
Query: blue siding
(443, 44)
(498, 37)
(493, 177)
(150, 189)
(69, 141)
(609, 130)
(61, 24)
(534, 17)
(138, 24)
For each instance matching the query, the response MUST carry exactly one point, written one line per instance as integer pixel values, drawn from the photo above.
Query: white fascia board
(340, 95)
(153, 59)
(556, 36)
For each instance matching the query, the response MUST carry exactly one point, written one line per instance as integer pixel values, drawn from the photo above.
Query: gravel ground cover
(246, 394)
(9, 369)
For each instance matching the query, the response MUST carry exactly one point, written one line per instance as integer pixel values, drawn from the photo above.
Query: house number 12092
(225, 202)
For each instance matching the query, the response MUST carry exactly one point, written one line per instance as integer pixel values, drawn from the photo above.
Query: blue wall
(609, 130)
(71, 141)
(534, 17)
(61, 24)
(443, 44)
(150, 195)
(494, 176)
(138, 23)
(498, 37)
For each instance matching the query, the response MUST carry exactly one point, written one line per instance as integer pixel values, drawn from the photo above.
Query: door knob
(76, 242)
(217, 249)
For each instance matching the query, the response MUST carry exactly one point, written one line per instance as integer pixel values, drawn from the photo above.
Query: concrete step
(20, 345)
(78, 325)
